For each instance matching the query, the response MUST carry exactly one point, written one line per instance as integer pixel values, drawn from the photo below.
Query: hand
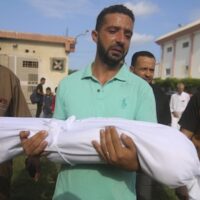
(182, 193)
(32, 164)
(175, 114)
(35, 145)
(115, 150)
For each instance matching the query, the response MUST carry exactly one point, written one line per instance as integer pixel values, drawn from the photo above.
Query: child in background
(47, 103)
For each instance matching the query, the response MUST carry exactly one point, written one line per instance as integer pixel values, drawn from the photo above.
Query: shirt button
(98, 90)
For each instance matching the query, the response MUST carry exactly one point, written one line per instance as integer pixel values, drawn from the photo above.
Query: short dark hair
(140, 53)
(42, 79)
(110, 10)
(48, 88)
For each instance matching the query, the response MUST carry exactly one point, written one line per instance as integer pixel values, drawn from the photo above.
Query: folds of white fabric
(164, 153)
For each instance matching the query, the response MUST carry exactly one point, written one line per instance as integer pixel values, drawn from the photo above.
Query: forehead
(118, 20)
(180, 85)
(145, 61)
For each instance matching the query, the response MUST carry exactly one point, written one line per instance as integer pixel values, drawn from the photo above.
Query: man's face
(180, 88)
(43, 81)
(144, 67)
(113, 38)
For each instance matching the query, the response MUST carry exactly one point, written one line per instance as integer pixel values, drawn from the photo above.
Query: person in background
(47, 103)
(40, 93)
(12, 104)
(178, 103)
(190, 120)
(143, 64)
(190, 126)
(103, 89)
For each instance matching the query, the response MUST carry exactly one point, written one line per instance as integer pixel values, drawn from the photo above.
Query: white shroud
(164, 153)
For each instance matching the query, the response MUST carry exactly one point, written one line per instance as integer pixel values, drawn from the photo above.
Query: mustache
(119, 47)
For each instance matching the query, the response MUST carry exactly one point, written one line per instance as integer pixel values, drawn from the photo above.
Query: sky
(77, 18)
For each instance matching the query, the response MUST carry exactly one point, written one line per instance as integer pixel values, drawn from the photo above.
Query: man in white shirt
(178, 103)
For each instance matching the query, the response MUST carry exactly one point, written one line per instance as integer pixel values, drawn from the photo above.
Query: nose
(148, 73)
(120, 37)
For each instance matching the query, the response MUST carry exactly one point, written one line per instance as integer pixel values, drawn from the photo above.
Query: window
(32, 79)
(30, 64)
(168, 71)
(185, 44)
(169, 49)
(58, 64)
(31, 88)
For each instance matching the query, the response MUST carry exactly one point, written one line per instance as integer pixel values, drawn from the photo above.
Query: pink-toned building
(180, 52)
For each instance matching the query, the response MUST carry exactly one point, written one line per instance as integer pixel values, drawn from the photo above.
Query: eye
(128, 35)
(112, 30)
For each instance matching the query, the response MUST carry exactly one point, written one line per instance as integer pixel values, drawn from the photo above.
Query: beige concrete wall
(167, 59)
(182, 57)
(195, 71)
(12, 54)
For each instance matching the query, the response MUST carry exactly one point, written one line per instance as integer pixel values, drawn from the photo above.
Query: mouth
(117, 51)
(149, 80)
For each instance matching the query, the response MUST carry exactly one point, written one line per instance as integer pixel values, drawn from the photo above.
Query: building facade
(180, 52)
(32, 56)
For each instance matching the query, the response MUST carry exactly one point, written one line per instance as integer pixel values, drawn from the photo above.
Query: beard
(111, 59)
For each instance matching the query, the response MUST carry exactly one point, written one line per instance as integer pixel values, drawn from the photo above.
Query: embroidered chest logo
(124, 103)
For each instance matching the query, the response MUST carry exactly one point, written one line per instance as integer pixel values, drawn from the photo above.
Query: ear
(132, 68)
(94, 36)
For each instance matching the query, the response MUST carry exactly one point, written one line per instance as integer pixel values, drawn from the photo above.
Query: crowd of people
(106, 88)
(46, 101)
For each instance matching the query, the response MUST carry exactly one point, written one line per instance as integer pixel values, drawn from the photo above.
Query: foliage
(24, 188)
(169, 84)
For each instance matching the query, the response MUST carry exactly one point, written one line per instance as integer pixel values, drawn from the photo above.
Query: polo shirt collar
(121, 75)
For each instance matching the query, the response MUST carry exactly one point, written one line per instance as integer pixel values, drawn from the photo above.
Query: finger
(128, 142)
(36, 144)
(105, 143)
(112, 138)
(24, 135)
(116, 144)
(39, 149)
(98, 149)
(131, 147)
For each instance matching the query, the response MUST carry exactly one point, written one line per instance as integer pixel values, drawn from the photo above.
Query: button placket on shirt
(100, 101)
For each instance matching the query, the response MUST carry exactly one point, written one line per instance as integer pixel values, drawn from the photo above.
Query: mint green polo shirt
(80, 94)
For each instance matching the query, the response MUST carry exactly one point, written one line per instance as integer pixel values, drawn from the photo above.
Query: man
(143, 64)
(190, 126)
(40, 93)
(12, 104)
(103, 89)
(178, 103)
(190, 120)
(47, 103)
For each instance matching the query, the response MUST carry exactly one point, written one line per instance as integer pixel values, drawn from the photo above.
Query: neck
(104, 72)
(180, 92)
